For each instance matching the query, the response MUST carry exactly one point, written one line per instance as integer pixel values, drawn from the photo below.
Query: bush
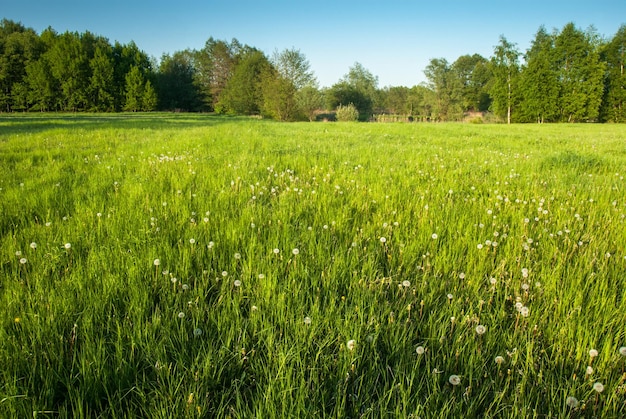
(347, 113)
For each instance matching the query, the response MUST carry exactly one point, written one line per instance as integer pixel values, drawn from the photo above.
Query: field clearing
(195, 266)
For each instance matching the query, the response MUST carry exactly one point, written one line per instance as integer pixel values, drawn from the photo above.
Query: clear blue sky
(393, 39)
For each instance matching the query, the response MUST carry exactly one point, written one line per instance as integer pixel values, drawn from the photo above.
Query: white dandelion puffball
(622, 351)
(192, 241)
(237, 283)
(67, 245)
(295, 252)
(593, 353)
(307, 320)
(598, 387)
(33, 245)
(197, 332)
(157, 262)
(455, 380)
(406, 283)
(572, 402)
(589, 370)
(420, 350)
(434, 236)
(181, 315)
(276, 251)
(383, 240)
(480, 329)
(499, 359)
(23, 261)
(351, 344)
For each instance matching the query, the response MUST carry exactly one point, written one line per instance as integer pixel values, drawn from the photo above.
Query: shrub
(347, 113)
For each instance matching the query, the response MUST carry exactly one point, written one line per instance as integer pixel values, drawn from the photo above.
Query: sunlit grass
(310, 270)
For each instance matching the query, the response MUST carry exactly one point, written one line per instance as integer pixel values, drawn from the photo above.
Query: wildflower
(525, 287)
(261, 276)
(499, 359)
(434, 236)
(254, 308)
(181, 315)
(237, 283)
(33, 245)
(157, 262)
(589, 370)
(479, 246)
(224, 274)
(598, 387)
(210, 245)
(307, 320)
(68, 246)
(455, 380)
(197, 332)
(192, 241)
(480, 329)
(525, 311)
(276, 251)
(593, 353)
(295, 252)
(237, 256)
(406, 283)
(351, 344)
(571, 402)
(23, 261)
(450, 296)
(462, 275)
(420, 350)
(18, 253)
(383, 240)
(622, 351)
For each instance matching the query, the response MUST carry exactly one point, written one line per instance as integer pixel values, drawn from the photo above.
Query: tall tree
(358, 87)
(614, 55)
(580, 74)
(446, 86)
(214, 66)
(473, 76)
(101, 87)
(505, 68)
(134, 90)
(177, 89)
(539, 80)
(292, 65)
(243, 91)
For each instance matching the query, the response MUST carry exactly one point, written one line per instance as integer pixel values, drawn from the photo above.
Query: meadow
(169, 265)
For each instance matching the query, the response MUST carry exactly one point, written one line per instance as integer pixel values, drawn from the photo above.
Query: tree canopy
(567, 75)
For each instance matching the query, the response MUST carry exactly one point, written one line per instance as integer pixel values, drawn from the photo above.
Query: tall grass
(193, 266)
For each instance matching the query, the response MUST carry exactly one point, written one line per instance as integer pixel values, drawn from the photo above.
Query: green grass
(408, 235)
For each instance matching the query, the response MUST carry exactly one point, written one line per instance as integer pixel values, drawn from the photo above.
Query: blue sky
(393, 39)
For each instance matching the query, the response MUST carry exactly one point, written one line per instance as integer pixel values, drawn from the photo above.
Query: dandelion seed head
(33, 245)
(224, 274)
(499, 359)
(480, 329)
(589, 370)
(598, 387)
(295, 252)
(420, 350)
(383, 240)
(181, 315)
(351, 344)
(192, 241)
(67, 245)
(210, 245)
(157, 262)
(197, 332)
(434, 236)
(23, 261)
(462, 275)
(406, 283)
(455, 380)
(237, 256)
(276, 251)
(237, 283)
(307, 320)
(18, 253)
(571, 402)
(622, 351)
(593, 353)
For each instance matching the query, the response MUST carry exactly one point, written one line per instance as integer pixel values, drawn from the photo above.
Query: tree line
(567, 75)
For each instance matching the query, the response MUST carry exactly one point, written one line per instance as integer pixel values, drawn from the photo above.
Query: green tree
(243, 93)
(447, 89)
(580, 74)
(279, 96)
(309, 100)
(134, 90)
(614, 55)
(539, 80)
(473, 77)
(214, 66)
(101, 88)
(505, 68)
(150, 99)
(358, 87)
(69, 65)
(177, 89)
(292, 65)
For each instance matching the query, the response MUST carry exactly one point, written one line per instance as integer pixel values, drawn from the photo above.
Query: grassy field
(165, 266)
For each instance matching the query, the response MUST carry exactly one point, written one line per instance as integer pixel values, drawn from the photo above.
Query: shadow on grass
(11, 124)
